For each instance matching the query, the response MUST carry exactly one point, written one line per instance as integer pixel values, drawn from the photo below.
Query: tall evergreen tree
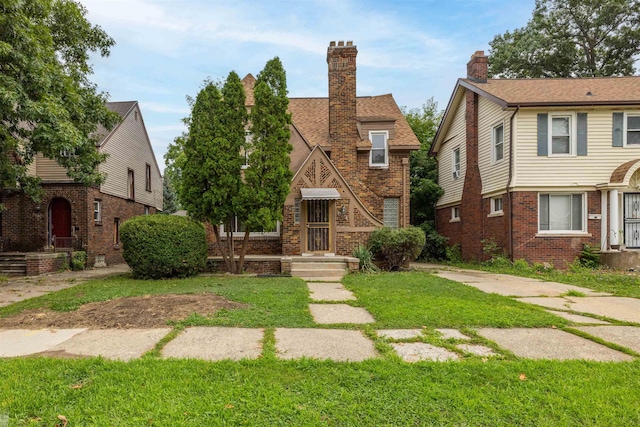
(47, 103)
(169, 197)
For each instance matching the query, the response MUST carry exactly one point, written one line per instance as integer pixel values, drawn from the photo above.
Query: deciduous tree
(571, 38)
(47, 103)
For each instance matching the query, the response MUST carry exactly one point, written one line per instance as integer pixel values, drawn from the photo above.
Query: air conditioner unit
(456, 174)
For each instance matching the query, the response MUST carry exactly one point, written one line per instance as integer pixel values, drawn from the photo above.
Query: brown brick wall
(556, 250)
(347, 241)
(37, 266)
(255, 267)
(451, 230)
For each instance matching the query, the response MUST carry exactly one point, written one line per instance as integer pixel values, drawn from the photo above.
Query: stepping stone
(215, 343)
(619, 308)
(452, 334)
(334, 344)
(416, 352)
(115, 344)
(339, 313)
(626, 336)
(551, 344)
(329, 292)
(478, 350)
(399, 334)
(576, 318)
(22, 342)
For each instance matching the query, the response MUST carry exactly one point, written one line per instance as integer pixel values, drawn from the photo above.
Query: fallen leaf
(554, 327)
(485, 360)
(228, 406)
(63, 420)
(76, 386)
(522, 377)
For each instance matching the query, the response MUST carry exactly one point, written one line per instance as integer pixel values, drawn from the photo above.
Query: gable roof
(547, 92)
(311, 118)
(122, 108)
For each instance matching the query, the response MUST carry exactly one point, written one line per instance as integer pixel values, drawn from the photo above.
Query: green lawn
(416, 299)
(150, 392)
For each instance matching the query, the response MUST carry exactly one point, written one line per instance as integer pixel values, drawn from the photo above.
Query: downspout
(509, 182)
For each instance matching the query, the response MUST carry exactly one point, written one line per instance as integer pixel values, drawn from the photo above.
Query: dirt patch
(148, 311)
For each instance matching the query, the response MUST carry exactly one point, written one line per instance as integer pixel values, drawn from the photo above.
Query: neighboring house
(73, 216)
(539, 166)
(350, 161)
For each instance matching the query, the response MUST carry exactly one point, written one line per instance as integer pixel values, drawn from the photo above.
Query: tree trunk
(225, 257)
(243, 250)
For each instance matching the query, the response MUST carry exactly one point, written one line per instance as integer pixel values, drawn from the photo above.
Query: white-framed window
(561, 213)
(238, 229)
(496, 205)
(379, 155)
(456, 163)
(498, 143)
(455, 213)
(146, 210)
(97, 211)
(391, 212)
(562, 134)
(631, 129)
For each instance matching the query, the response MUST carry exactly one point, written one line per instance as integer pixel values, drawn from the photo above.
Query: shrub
(396, 247)
(590, 256)
(366, 259)
(78, 260)
(454, 253)
(157, 246)
(435, 246)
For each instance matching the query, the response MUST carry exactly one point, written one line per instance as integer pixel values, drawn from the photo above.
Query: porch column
(603, 220)
(614, 228)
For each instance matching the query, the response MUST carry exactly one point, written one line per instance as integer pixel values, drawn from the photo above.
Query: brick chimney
(343, 133)
(477, 67)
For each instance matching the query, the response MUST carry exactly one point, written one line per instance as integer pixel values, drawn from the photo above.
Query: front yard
(503, 390)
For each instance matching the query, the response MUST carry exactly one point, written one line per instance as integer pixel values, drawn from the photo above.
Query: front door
(60, 223)
(632, 220)
(318, 222)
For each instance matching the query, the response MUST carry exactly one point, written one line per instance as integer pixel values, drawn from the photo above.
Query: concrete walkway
(329, 307)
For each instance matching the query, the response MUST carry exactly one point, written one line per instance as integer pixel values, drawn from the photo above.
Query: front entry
(318, 226)
(632, 220)
(60, 223)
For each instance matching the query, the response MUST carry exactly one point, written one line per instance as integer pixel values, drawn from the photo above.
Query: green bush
(590, 256)
(435, 246)
(454, 253)
(157, 246)
(78, 260)
(366, 259)
(396, 247)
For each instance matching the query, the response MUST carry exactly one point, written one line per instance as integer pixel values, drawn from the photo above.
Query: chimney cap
(477, 54)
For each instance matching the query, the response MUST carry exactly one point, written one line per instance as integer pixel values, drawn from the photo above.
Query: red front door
(60, 214)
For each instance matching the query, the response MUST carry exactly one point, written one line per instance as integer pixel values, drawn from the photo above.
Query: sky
(165, 49)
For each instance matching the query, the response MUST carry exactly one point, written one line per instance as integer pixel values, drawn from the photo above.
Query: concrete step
(316, 273)
(325, 279)
(16, 272)
(319, 265)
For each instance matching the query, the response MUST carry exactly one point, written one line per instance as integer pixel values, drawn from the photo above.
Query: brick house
(73, 216)
(540, 166)
(350, 161)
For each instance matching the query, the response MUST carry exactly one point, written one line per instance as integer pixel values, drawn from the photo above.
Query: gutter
(509, 182)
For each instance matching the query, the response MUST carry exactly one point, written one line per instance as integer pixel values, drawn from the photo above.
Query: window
(390, 213)
(116, 231)
(562, 135)
(496, 205)
(561, 213)
(147, 181)
(97, 211)
(130, 185)
(146, 210)
(455, 213)
(379, 155)
(498, 143)
(238, 228)
(632, 129)
(456, 163)
(296, 211)
(246, 150)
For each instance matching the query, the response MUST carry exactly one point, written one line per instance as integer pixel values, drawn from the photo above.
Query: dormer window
(379, 149)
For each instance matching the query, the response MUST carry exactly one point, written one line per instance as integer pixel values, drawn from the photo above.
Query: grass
(417, 299)
(616, 282)
(149, 392)
(271, 301)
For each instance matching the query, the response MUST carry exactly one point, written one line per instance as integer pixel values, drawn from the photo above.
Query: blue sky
(414, 49)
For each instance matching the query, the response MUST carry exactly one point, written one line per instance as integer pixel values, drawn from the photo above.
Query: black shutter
(543, 134)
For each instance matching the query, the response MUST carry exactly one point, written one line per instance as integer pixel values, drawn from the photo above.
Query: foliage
(268, 176)
(396, 247)
(454, 253)
(78, 260)
(435, 247)
(366, 259)
(47, 103)
(425, 190)
(169, 197)
(159, 246)
(571, 38)
(589, 256)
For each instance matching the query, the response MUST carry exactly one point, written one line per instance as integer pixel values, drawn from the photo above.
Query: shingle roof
(311, 117)
(544, 92)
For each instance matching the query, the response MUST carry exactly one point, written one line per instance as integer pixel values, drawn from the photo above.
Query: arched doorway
(60, 223)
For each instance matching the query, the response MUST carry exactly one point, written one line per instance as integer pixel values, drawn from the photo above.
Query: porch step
(13, 265)
(319, 270)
